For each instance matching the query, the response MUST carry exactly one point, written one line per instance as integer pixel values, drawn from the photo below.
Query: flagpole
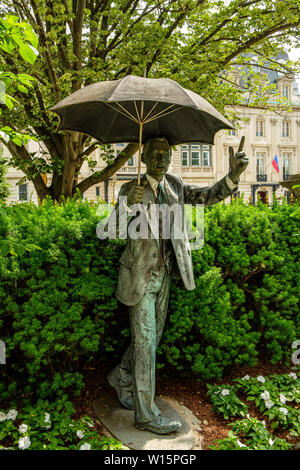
(271, 164)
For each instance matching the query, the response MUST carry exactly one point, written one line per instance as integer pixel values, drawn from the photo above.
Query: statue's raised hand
(237, 161)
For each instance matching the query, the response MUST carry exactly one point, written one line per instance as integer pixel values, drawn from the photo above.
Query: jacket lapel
(149, 198)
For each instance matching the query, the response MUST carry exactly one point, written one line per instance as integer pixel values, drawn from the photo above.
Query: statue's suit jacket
(139, 258)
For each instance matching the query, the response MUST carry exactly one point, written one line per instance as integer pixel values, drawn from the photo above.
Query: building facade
(267, 134)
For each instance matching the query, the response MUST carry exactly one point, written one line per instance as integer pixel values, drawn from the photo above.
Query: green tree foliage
(59, 316)
(196, 42)
(16, 38)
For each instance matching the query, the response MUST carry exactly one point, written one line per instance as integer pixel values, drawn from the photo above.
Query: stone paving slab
(120, 424)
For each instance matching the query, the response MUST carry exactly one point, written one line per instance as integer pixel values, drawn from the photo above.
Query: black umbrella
(135, 109)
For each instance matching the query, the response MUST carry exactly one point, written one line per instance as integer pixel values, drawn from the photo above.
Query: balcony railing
(261, 177)
(286, 177)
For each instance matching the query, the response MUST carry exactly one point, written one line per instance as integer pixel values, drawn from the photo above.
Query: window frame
(187, 151)
(260, 132)
(260, 156)
(19, 192)
(286, 128)
(287, 94)
(286, 156)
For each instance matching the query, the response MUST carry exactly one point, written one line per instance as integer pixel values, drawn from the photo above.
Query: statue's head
(157, 157)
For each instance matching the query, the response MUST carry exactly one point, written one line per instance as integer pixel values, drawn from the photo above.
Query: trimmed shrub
(59, 316)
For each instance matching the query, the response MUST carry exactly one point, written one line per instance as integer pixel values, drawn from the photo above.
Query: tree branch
(77, 40)
(43, 39)
(258, 38)
(107, 172)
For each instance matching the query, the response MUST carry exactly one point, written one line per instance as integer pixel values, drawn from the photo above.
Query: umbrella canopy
(135, 109)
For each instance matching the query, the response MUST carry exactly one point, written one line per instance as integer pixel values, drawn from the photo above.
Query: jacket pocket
(126, 259)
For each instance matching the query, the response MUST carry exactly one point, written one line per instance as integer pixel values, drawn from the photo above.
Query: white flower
(265, 395)
(248, 416)
(47, 420)
(24, 443)
(23, 428)
(240, 443)
(88, 422)
(12, 414)
(80, 434)
(283, 410)
(271, 442)
(263, 423)
(85, 446)
(247, 377)
(269, 404)
(261, 379)
(225, 392)
(293, 375)
(2, 416)
(282, 398)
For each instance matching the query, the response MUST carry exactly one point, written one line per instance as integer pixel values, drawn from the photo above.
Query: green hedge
(59, 316)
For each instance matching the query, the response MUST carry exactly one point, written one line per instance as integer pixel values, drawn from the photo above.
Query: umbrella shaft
(140, 152)
(140, 142)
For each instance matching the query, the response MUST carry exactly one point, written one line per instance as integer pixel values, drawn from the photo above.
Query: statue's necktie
(161, 194)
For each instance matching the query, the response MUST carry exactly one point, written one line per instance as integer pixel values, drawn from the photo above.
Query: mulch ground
(188, 392)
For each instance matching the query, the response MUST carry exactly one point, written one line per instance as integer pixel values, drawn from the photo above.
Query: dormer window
(260, 128)
(285, 129)
(286, 91)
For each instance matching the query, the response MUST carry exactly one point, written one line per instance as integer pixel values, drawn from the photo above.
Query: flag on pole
(275, 163)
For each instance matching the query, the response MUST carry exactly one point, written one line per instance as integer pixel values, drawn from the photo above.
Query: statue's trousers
(136, 372)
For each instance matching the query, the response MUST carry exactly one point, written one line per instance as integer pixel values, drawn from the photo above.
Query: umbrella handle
(140, 152)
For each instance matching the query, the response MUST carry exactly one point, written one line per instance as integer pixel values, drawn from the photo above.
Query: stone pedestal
(120, 424)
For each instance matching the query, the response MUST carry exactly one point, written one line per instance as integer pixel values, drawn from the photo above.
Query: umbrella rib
(159, 115)
(126, 111)
(126, 114)
(162, 111)
(153, 107)
(137, 112)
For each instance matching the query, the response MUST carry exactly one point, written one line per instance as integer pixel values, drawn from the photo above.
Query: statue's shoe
(159, 425)
(126, 402)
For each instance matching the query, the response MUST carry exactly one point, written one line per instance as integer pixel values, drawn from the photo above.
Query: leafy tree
(199, 43)
(15, 36)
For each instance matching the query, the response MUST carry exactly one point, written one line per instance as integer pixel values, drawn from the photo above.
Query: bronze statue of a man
(147, 266)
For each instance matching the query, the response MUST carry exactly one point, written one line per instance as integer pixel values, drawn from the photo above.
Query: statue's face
(157, 159)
